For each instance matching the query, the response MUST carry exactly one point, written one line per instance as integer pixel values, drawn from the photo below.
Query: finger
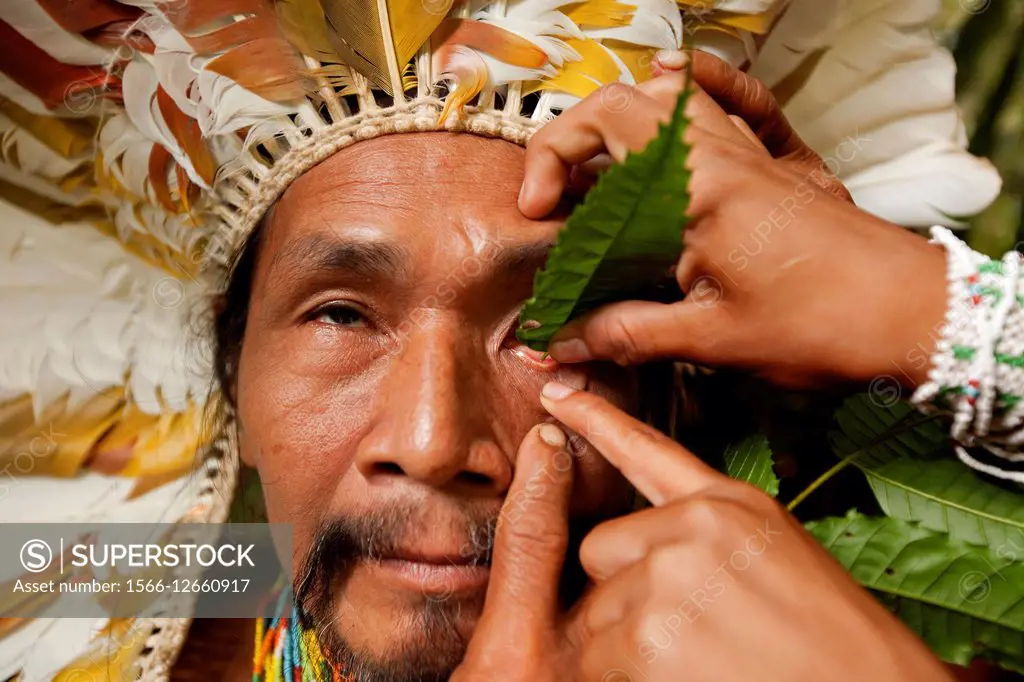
(742, 126)
(612, 656)
(750, 99)
(635, 332)
(615, 545)
(531, 538)
(574, 627)
(669, 60)
(595, 125)
(701, 108)
(660, 469)
(614, 600)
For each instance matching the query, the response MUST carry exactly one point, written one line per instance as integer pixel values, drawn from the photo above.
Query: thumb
(635, 332)
(531, 540)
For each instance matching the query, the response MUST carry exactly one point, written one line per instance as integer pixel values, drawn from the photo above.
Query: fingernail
(526, 191)
(570, 350)
(556, 391)
(671, 60)
(553, 436)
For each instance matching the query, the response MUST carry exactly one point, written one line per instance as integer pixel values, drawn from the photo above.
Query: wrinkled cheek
(301, 427)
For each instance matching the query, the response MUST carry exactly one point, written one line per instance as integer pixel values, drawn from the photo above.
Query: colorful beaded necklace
(287, 652)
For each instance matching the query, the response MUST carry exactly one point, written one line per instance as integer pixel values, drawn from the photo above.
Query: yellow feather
(600, 13)
(127, 441)
(304, 25)
(111, 657)
(378, 38)
(704, 13)
(469, 71)
(68, 137)
(61, 446)
(583, 77)
(718, 28)
(160, 445)
(15, 416)
(81, 178)
(48, 209)
(637, 58)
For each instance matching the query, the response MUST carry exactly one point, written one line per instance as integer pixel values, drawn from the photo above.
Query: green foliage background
(987, 38)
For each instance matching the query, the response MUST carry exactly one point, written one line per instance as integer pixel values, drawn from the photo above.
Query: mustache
(340, 542)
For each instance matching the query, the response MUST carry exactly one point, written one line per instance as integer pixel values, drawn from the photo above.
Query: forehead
(425, 194)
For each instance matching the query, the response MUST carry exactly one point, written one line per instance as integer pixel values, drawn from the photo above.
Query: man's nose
(432, 421)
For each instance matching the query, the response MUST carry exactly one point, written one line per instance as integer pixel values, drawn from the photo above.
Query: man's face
(382, 394)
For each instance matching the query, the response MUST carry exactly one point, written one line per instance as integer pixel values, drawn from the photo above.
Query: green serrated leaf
(751, 461)
(958, 638)
(965, 601)
(899, 448)
(622, 241)
(874, 430)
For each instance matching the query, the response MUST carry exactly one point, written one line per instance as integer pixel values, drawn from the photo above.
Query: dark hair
(231, 315)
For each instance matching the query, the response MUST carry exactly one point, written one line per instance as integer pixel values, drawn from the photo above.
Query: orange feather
(469, 72)
(233, 35)
(42, 75)
(82, 16)
(497, 42)
(268, 67)
(158, 160)
(186, 133)
(193, 17)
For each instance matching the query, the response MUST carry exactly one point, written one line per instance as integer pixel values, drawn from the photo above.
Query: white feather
(656, 23)
(35, 23)
(532, 9)
(858, 58)
(727, 47)
(880, 101)
(742, 6)
(224, 106)
(140, 84)
(44, 645)
(126, 151)
(22, 97)
(42, 187)
(86, 314)
(33, 157)
(547, 37)
(176, 66)
(880, 107)
(935, 185)
(64, 641)
(802, 29)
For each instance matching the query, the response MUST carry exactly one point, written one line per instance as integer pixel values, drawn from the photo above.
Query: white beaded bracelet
(984, 324)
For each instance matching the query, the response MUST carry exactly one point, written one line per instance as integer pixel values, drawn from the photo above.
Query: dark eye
(340, 314)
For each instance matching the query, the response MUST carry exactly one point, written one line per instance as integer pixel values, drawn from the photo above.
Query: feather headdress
(141, 141)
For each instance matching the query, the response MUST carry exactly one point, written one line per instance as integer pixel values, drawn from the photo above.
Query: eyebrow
(316, 254)
(514, 261)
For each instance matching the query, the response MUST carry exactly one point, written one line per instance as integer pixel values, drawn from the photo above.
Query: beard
(342, 543)
(438, 644)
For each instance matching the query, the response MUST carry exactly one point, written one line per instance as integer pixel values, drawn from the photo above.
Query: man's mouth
(436, 575)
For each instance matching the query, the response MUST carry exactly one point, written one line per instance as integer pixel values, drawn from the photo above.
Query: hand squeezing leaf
(622, 241)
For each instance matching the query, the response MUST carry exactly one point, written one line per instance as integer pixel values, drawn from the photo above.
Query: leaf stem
(902, 425)
(821, 480)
